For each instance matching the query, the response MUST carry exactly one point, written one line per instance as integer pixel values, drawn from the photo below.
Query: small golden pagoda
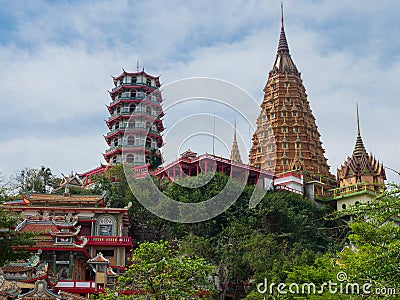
(361, 177)
(235, 153)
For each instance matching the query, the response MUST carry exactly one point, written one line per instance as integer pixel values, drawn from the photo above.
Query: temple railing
(109, 240)
(137, 97)
(141, 84)
(373, 188)
(132, 129)
(75, 284)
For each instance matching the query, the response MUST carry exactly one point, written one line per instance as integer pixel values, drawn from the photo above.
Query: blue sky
(57, 58)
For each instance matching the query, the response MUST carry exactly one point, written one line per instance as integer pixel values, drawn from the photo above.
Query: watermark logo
(309, 288)
(200, 110)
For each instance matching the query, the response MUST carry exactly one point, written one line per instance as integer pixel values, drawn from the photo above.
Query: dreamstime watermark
(192, 105)
(342, 287)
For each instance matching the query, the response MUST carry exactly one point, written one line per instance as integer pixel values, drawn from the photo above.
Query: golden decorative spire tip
(358, 121)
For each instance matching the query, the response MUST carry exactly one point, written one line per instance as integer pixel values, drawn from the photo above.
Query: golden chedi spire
(360, 167)
(235, 153)
(286, 130)
(359, 149)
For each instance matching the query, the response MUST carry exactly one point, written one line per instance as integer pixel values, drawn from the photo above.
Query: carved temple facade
(73, 231)
(286, 140)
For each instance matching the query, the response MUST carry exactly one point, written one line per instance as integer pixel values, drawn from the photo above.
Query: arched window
(131, 140)
(148, 142)
(148, 81)
(148, 110)
(132, 107)
(133, 93)
(133, 79)
(130, 158)
(106, 226)
(115, 142)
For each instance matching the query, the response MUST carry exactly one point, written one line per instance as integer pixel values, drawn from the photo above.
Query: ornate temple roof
(360, 163)
(70, 181)
(98, 259)
(51, 199)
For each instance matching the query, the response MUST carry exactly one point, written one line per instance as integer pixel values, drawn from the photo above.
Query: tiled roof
(62, 199)
(99, 259)
(14, 269)
(39, 228)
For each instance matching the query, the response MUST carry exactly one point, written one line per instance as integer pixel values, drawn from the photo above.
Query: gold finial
(359, 148)
(358, 121)
(234, 133)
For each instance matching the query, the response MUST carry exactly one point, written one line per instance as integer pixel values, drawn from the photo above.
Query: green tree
(4, 189)
(372, 255)
(374, 252)
(37, 180)
(155, 159)
(11, 240)
(160, 272)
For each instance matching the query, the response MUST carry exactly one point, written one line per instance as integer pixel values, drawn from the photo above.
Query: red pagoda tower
(135, 120)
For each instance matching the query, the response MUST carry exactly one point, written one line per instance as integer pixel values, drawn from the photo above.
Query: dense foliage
(283, 231)
(160, 272)
(10, 238)
(39, 180)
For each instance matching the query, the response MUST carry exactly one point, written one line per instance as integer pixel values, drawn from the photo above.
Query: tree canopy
(10, 239)
(283, 231)
(158, 271)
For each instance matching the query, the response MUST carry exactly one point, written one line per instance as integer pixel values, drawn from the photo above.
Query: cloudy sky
(57, 58)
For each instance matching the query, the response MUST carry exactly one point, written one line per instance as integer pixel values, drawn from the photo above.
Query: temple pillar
(54, 263)
(71, 264)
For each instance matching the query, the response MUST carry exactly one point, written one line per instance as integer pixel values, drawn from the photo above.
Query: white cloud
(57, 66)
(62, 154)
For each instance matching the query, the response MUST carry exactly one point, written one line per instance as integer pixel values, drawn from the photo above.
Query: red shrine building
(190, 164)
(82, 243)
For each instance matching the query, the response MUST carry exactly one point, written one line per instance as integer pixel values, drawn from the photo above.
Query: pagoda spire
(283, 61)
(286, 131)
(235, 153)
(283, 44)
(359, 148)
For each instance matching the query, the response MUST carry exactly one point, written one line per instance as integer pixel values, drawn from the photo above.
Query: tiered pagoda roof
(361, 166)
(286, 133)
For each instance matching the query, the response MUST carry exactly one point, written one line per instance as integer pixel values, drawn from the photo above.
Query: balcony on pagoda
(76, 287)
(359, 188)
(121, 241)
